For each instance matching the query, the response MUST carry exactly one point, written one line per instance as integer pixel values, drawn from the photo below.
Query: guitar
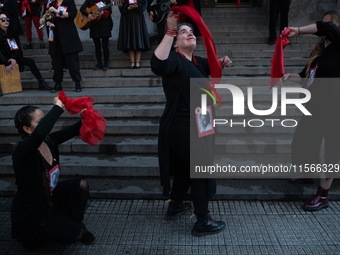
(83, 22)
(160, 10)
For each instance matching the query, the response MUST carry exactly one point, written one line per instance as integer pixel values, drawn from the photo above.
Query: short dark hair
(23, 118)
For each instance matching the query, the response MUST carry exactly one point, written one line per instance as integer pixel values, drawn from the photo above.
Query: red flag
(189, 11)
(278, 68)
(93, 128)
(238, 3)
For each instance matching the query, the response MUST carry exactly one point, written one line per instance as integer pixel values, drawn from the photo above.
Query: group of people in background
(44, 211)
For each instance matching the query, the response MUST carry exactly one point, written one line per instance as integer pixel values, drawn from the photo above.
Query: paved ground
(253, 227)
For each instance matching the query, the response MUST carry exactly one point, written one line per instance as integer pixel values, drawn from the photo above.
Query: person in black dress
(177, 132)
(133, 33)
(100, 31)
(317, 138)
(44, 209)
(64, 42)
(32, 13)
(277, 7)
(10, 54)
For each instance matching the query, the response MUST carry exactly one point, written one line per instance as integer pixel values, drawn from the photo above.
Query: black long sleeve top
(28, 166)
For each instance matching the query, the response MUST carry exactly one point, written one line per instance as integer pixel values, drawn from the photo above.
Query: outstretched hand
(225, 61)
(172, 20)
(57, 101)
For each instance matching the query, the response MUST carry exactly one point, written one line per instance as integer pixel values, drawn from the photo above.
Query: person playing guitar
(100, 30)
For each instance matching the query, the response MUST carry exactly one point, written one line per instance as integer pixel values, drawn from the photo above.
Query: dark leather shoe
(57, 87)
(78, 86)
(43, 85)
(42, 46)
(105, 67)
(28, 45)
(207, 226)
(300, 180)
(318, 202)
(98, 67)
(88, 238)
(176, 209)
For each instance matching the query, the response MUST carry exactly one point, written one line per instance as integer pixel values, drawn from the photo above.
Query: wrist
(299, 30)
(171, 32)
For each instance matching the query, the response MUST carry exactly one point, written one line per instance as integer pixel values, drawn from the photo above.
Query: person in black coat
(100, 30)
(31, 12)
(64, 41)
(317, 137)
(178, 131)
(44, 209)
(133, 33)
(10, 54)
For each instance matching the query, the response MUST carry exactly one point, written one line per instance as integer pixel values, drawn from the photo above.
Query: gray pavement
(253, 227)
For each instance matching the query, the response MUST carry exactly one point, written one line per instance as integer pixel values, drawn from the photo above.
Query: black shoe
(176, 209)
(105, 67)
(28, 45)
(57, 87)
(137, 66)
(43, 85)
(98, 67)
(42, 46)
(271, 42)
(78, 86)
(88, 237)
(21, 68)
(207, 226)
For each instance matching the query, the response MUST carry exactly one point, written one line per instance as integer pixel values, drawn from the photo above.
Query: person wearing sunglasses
(10, 54)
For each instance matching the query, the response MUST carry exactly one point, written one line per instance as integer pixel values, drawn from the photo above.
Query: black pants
(180, 160)
(72, 61)
(98, 45)
(278, 7)
(31, 64)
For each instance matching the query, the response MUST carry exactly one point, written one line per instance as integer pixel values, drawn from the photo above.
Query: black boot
(28, 45)
(57, 87)
(176, 209)
(105, 67)
(42, 45)
(78, 86)
(207, 226)
(43, 85)
(98, 67)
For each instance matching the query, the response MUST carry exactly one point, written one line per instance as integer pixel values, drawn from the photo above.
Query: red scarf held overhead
(93, 128)
(189, 11)
(278, 68)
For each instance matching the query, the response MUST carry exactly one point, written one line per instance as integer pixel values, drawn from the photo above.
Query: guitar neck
(105, 7)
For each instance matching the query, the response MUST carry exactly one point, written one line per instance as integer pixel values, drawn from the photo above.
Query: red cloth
(238, 3)
(278, 68)
(106, 14)
(25, 4)
(214, 65)
(93, 128)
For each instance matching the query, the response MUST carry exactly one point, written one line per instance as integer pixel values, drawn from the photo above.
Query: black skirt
(133, 33)
(62, 221)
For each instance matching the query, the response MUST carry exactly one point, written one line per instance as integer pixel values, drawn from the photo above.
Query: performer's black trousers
(72, 61)
(278, 7)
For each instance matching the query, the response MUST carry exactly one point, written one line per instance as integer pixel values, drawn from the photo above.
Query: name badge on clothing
(63, 9)
(12, 44)
(204, 122)
(132, 1)
(100, 4)
(53, 175)
(311, 76)
(50, 34)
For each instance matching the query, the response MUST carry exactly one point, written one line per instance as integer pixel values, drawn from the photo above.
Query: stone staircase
(125, 163)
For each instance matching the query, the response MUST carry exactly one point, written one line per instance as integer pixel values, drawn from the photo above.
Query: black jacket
(5, 51)
(66, 30)
(104, 26)
(28, 167)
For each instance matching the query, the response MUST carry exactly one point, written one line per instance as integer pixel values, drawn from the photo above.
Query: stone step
(233, 11)
(148, 144)
(117, 165)
(117, 64)
(146, 72)
(227, 189)
(259, 46)
(133, 126)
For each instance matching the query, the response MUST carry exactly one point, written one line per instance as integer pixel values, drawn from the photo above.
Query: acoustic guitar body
(83, 22)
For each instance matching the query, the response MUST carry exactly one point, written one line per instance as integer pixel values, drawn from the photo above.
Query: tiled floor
(253, 227)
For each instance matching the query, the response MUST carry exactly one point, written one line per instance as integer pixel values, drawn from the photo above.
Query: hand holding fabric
(93, 128)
